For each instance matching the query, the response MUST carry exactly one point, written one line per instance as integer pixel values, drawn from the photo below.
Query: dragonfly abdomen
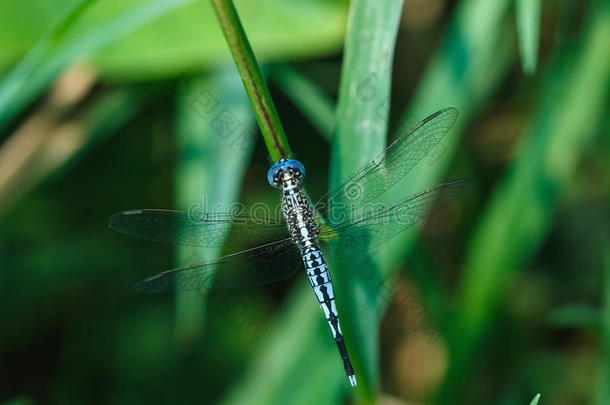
(321, 282)
(298, 212)
(322, 285)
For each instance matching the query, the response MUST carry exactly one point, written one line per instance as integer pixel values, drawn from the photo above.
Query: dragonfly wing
(375, 178)
(377, 226)
(196, 229)
(260, 265)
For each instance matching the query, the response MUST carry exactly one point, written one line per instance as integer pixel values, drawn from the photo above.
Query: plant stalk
(252, 77)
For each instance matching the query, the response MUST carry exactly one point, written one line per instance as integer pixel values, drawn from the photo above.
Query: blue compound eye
(285, 164)
(273, 172)
(297, 166)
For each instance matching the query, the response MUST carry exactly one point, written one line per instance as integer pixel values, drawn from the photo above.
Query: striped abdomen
(321, 282)
(304, 231)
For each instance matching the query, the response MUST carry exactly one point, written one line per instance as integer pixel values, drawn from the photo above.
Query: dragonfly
(350, 219)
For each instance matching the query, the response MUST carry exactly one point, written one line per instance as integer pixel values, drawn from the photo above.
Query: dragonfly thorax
(298, 213)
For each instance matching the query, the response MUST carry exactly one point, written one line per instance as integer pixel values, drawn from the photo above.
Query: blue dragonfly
(349, 219)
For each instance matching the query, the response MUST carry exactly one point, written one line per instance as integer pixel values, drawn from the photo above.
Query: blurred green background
(112, 105)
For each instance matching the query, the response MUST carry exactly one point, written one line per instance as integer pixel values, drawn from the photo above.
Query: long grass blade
(535, 400)
(215, 138)
(362, 115)
(519, 214)
(40, 67)
(528, 30)
(17, 79)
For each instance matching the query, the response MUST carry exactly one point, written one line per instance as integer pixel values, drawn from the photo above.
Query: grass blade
(535, 400)
(473, 47)
(14, 82)
(362, 115)
(214, 136)
(37, 70)
(528, 31)
(287, 365)
(520, 211)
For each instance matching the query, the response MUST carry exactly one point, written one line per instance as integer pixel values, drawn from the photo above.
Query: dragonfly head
(286, 172)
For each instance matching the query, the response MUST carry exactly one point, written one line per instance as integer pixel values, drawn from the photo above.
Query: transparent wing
(260, 265)
(197, 229)
(380, 224)
(385, 170)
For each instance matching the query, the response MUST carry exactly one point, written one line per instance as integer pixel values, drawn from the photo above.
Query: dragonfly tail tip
(352, 380)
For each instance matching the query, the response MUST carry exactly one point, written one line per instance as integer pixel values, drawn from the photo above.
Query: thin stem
(252, 77)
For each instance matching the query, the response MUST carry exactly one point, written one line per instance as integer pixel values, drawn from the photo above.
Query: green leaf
(188, 37)
(362, 116)
(528, 31)
(296, 362)
(535, 400)
(139, 39)
(38, 69)
(520, 210)
(18, 78)
(473, 57)
(215, 130)
(185, 37)
(471, 61)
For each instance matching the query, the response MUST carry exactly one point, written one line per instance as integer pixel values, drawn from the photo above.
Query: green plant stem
(360, 135)
(252, 77)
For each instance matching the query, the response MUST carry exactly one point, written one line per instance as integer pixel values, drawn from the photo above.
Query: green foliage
(528, 29)
(65, 146)
(520, 210)
(575, 316)
(140, 40)
(253, 80)
(54, 52)
(360, 134)
(19, 401)
(12, 85)
(310, 99)
(181, 37)
(603, 391)
(498, 296)
(207, 152)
